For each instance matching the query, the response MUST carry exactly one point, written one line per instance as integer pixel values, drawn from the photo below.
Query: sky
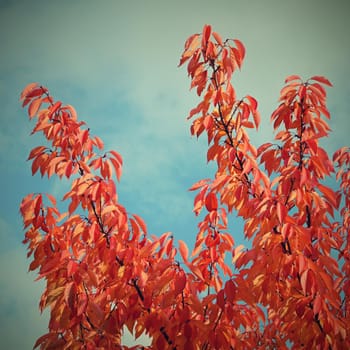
(116, 63)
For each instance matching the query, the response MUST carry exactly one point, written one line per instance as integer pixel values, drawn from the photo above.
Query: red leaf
(264, 147)
(73, 205)
(53, 109)
(98, 142)
(95, 313)
(35, 92)
(180, 282)
(330, 195)
(36, 151)
(206, 34)
(241, 49)
(82, 304)
(27, 89)
(71, 110)
(69, 168)
(230, 290)
(302, 92)
(72, 267)
(321, 79)
(211, 202)
(117, 168)
(117, 156)
(253, 103)
(220, 298)
(317, 304)
(44, 340)
(281, 212)
(312, 144)
(38, 203)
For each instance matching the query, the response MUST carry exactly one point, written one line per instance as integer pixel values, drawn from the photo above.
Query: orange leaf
(51, 198)
(199, 184)
(253, 103)
(191, 42)
(303, 281)
(98, 142)
(72, 266)
(302, 264)
(106, 169)
(69, 294)
(140, 222)
(247, 166)
(117, 168)
(257, 118)
(34, 107)
(117, 156)
(330, 195)
(183, 250)
(281, 212)
(241, 49)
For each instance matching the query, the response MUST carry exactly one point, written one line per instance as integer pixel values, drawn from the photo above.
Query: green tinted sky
(116, 62)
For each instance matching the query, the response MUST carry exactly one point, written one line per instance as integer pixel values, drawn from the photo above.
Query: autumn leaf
(211, 202)
(180, 282)
(321, 79)
(34, 107)
(291, 78)
(183, 250)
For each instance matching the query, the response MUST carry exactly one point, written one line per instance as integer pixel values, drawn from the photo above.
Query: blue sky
(116, 63)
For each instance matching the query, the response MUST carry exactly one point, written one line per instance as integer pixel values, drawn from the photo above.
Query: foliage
(103, 272)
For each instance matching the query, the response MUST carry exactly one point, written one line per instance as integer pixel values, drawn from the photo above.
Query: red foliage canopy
(103, 272)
